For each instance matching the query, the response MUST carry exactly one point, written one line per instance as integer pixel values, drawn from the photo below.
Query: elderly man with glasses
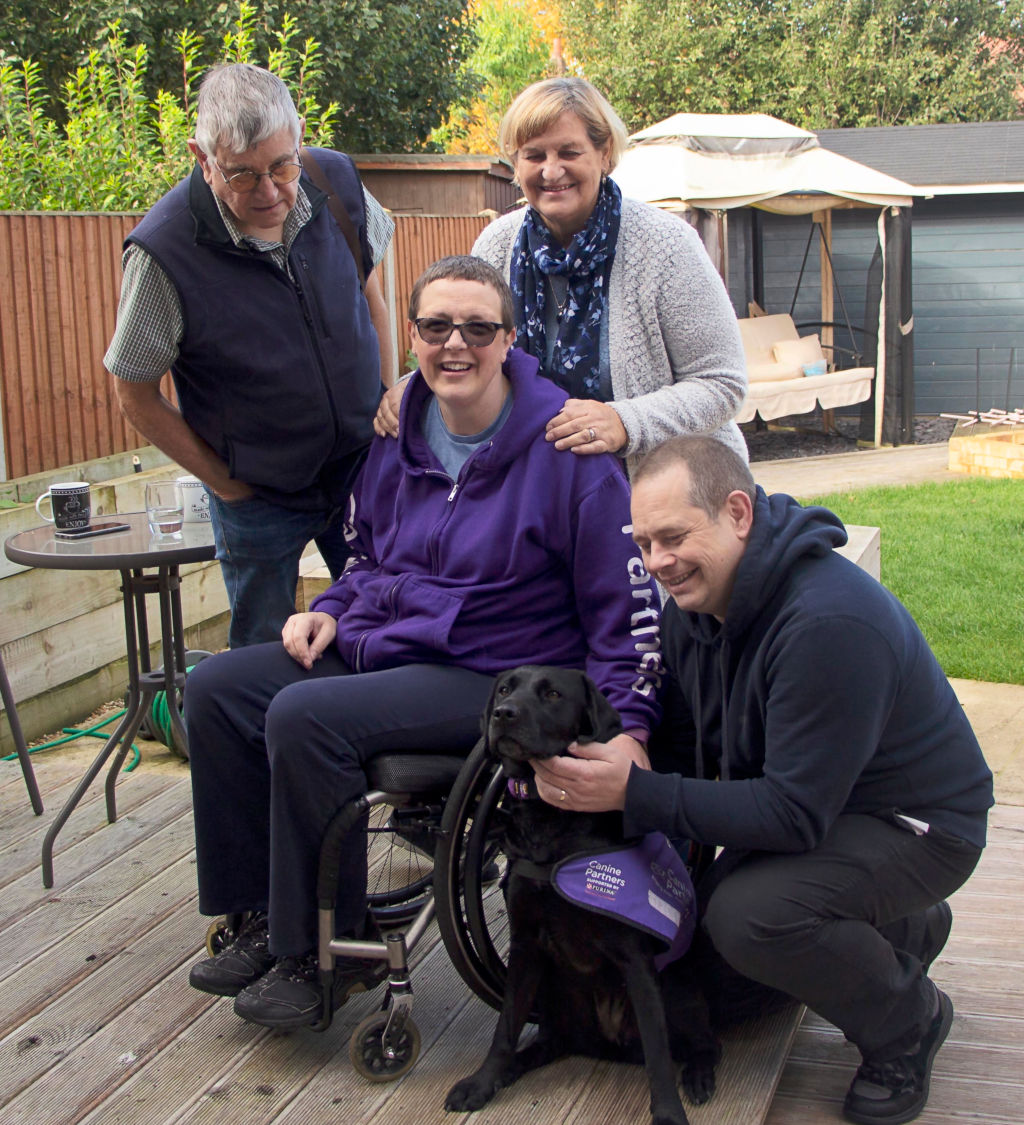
(243, 283)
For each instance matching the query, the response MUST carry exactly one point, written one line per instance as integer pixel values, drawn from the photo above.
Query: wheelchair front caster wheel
(369, 1057)
(218, 936)
(223, 931)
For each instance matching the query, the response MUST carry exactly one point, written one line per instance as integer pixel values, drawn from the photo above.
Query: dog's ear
(485, 718)
(600, 719)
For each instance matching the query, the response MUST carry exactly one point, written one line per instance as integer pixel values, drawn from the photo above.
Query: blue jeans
(259, 545)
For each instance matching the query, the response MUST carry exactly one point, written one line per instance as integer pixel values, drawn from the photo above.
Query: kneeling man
(834, 765)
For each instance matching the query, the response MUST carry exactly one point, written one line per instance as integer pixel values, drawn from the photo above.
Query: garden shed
(437, 183)
(968, 254)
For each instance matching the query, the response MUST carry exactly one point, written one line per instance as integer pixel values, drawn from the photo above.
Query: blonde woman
(617, 300)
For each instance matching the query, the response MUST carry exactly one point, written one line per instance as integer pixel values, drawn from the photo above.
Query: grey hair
(241, 105)
(716, 471)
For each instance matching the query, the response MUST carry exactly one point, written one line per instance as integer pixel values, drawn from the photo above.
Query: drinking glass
(165, 509)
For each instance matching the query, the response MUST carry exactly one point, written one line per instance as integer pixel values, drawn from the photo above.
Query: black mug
(70, 503)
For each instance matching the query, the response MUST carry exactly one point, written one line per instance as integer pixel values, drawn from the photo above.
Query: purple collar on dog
(523, 788)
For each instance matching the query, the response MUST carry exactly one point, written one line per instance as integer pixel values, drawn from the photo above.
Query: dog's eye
(503, 689)
(552, 694)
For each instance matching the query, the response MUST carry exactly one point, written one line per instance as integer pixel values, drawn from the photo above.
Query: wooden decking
(99, 1024)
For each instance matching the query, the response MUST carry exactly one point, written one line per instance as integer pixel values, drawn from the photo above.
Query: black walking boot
(892, 1091)
(238, 964)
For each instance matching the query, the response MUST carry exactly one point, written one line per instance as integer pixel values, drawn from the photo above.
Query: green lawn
(953, 553)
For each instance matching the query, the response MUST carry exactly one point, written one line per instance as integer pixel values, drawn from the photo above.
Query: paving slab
(814, 476)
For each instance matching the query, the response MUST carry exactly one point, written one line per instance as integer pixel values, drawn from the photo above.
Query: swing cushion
(795, 354)
(778, 389)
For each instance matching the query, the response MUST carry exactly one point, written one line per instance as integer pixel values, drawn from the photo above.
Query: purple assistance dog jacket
(645, 885)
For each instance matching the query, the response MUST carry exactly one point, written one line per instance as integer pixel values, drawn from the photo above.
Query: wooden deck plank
(88, 818)
(88, 847)
(43, 981)
(101, 1027)
(87, 1077)
(58, 1030)
(247, 1071)
(51, 914)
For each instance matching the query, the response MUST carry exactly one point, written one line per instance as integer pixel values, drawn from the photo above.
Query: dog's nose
(505, 712)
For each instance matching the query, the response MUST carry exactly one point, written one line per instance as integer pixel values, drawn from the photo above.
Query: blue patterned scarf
(586, 264)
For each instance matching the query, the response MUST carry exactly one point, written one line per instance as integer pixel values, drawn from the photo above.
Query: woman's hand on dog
(594, 778)
(307, 635)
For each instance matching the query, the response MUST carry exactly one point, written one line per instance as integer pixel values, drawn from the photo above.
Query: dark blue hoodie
(817, 695)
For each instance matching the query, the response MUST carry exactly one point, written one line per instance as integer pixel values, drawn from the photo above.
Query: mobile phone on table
(106, 528)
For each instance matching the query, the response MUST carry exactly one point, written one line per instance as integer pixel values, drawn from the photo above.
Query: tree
(514, 42)
(393, 66)
(116, 149)
(815, 63)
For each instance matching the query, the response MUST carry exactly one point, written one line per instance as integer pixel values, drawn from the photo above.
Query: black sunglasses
(476, 333)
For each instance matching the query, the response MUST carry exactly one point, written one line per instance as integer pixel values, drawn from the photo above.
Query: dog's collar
(523, 788)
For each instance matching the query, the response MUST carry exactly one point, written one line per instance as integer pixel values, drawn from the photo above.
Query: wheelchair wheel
(371, 1059)
(470, 877)
(401, 868)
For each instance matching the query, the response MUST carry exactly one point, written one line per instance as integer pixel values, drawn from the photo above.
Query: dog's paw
(698, 1079)
(669, 1119)
(469, 1094)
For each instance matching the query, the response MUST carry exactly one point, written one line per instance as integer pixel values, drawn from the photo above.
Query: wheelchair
(434, 829)
(433, 852)
(431, 849)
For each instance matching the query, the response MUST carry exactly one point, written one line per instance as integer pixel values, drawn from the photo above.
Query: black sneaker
(895, 1091)
(237, 965)
(291, 994)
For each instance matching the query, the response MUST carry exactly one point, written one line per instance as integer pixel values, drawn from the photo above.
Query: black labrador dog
(588, 980)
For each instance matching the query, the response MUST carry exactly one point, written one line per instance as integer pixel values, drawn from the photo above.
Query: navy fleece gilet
(281, 377)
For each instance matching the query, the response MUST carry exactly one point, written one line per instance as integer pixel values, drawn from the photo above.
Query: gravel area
(809, 441)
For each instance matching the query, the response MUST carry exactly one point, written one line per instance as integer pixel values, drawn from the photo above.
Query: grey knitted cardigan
(676, 358)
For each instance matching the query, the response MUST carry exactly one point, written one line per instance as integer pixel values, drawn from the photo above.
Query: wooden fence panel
(60, 275)
(420, 240)
(57, 309)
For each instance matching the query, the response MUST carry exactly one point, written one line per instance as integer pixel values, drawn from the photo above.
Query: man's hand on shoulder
(594, 778)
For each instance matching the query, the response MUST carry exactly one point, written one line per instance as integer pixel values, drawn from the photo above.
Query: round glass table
(147, 566)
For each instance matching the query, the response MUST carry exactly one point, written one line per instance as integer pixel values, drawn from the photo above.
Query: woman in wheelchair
(475, 546)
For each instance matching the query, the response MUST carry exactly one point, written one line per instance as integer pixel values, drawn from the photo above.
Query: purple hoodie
(526, 559)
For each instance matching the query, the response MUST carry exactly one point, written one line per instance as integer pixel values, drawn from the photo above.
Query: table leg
(19, 741)
(130, 721)
(173, 634)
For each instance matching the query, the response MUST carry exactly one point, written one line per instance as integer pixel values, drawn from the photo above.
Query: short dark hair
(464, 267)
(715, 470)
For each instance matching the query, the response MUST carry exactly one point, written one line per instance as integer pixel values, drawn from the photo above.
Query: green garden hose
(95, 731)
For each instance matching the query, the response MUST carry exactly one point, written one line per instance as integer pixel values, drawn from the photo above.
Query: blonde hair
(539, 106)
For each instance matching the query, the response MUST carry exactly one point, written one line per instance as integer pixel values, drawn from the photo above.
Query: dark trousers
(275, 751)
(838, 927)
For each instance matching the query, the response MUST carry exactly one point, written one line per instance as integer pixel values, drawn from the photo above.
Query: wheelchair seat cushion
(413, 773)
